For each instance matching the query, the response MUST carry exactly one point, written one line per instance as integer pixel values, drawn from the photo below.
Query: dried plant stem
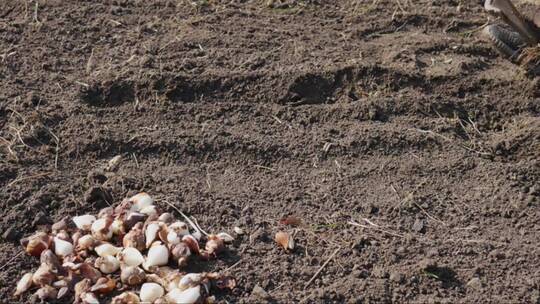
(322, 267)
(186, 218)
(11, 260)
(27, 178)
(376, 228)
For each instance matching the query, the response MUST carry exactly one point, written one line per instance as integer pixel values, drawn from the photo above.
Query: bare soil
(394, 115)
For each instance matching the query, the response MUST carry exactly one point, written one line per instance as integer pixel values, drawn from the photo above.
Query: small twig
(370, 222)
(376, 228)
(135, 158)
(57, 149)
(27, 178)
(36, 12)
(86, 85)
(11, 260)
(264, 167)
(233, 265)
(90, 62)
(322, 267)
(429, 215)
(277, 119)
(195, 227)
(199, 226)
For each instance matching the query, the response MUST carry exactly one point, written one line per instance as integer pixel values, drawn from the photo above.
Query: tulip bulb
(166, 218)
(192, 243)
(285, 240)
(104, 286)
(89, 298)
(117, 226)
(101, 229)
(140, 201)
(50, 259)
(131, 256)
(88, 272)
(36, 244)
(62, 292)
(85, 242)
(181, 253)
(62, 248)
(132, 219)
(107, 264)
(43, 276)
(84, 222)
(151, 292)
(151, 233)
(132, 275)
(158, 255)
(46, 292)
(107, 249)
(24, 284)
(135, 238)
(214, 245)
(188, 296)
(80, 288)
(106, 212)
(126, 297)
(190, 280)
(149, 210)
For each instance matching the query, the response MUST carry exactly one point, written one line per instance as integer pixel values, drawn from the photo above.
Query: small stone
(238, 230)
(475, 283)
(433, 252)
(418, 225)
(396, 277)
(260, 293)
(401, 250)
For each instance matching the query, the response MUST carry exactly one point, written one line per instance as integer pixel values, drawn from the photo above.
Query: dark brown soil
(394, 113)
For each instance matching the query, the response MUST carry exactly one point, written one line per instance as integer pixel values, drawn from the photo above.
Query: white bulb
(188, 296)
(100, 230)
(141, 201)
(158, 255)
(149, 210)
(151, 292)
(172, 238)
(107, 264)
(84, 222)
(107, 249)
(24, 284)
(190, 280)
(151, 233)
(85, 242)
(131, 256)
(62, 248)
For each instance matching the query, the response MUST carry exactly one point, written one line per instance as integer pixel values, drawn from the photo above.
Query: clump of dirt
(394, 116)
